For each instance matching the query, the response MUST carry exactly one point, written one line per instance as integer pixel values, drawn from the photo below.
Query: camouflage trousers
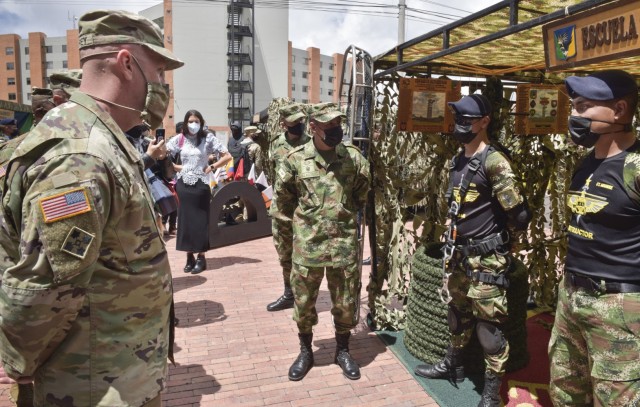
(594, 349)
(283, 241)
(473, 300)
(344, 287)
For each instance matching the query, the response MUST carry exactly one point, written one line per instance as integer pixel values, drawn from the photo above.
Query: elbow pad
(519, 216)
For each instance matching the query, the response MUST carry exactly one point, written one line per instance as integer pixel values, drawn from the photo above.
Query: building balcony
(238, 31)
(239, 4)
(239, 87)
(239, 59)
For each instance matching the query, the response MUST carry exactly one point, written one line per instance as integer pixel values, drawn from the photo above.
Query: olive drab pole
(357, 101)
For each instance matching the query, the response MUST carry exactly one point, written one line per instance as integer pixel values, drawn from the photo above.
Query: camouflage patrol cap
(325, 112)
(112, 27)
(249, 130)
(39, 96)
(68, 81)
(293, 112)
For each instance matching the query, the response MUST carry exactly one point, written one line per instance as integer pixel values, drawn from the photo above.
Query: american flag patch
(64, 205)
(3, 171)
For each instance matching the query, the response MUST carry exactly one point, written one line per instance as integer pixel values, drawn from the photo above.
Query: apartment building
(237, 59)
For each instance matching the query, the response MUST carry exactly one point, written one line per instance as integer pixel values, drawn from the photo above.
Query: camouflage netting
(411, 178)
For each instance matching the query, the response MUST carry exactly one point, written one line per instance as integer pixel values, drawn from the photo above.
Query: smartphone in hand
(159, 135)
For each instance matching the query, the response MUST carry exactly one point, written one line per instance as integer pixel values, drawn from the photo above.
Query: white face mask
(194, 127)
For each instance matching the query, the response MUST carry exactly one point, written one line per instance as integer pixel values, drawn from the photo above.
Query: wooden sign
(541, 109)
(423, 105)
(602, 34)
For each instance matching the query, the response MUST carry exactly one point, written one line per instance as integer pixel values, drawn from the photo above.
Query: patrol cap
(112, 27)
(249, 130)
(604, 85)
(293, 112)
(236, 124)
(8, 121)
(472, 106)
(68, 81)
(325, 112)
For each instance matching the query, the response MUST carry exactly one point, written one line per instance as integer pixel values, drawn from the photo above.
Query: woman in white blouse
(192, 149)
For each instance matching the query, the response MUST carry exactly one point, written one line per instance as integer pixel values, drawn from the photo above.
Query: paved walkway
(230, 351)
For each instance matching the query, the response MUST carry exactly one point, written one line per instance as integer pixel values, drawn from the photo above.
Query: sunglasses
(466, 120)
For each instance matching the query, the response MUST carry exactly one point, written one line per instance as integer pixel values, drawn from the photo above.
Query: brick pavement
(230, 351)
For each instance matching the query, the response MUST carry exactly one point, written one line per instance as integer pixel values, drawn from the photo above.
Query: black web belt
(602, 286)
(471, 247)
(500, 280)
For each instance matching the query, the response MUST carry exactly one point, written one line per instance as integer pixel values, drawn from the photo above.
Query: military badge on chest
(309, 169)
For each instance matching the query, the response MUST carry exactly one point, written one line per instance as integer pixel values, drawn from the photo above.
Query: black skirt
(193, 217)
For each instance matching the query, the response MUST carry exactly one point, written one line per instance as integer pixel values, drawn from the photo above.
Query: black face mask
(333, 136)
(463, 133)
(581, 134)
(296, 130)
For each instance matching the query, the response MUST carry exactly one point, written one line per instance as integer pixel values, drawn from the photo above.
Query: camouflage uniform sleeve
(631, 175)
(503, 181)
(362, 181)
(60, 207)
(286, 191)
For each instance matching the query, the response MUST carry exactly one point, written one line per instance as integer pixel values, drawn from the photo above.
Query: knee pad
(490, 337)
(456, 322)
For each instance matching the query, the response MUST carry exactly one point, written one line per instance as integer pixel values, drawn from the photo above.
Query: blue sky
(330, 31)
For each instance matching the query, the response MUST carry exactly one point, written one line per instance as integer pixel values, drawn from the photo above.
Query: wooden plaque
(541, 109)
(423, 105)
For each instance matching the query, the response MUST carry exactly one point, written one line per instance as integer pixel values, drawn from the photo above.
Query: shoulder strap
(452, 166)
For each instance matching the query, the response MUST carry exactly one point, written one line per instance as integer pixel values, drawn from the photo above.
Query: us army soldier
(321, 187)
(292, 119)
(85, 311)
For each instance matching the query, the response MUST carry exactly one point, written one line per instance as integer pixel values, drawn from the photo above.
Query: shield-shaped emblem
(565, 39)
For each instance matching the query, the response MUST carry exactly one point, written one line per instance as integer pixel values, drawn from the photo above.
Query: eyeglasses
(466, 120)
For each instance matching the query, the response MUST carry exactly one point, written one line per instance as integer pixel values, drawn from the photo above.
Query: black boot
(200, 266)
(191, 262)
(491, 392)
(450, 367)
(285, 301)
(304, 361)
(349, 366)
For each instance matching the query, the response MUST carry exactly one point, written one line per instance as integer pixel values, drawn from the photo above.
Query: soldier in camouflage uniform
(86, 308)
(489, 204)
(292, 117)
(41, 103)
(62, 85)
(595, 342)
(321, 185)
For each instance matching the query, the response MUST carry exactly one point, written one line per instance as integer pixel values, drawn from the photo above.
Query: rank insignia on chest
(64, 205)
(309, 169)
(77, 242)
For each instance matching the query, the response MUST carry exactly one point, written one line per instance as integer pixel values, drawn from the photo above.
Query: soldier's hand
(157, 150)
(5, 379)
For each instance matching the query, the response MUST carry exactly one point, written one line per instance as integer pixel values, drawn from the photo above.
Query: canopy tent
(503, 40)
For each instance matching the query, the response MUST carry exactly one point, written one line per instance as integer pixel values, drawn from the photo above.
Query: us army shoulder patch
(77, 242)
(64, 205)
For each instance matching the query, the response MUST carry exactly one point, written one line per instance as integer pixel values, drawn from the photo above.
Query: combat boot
(349, 366)
(285, 301)
(491, 392)
(450, 367)
(304, 361)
